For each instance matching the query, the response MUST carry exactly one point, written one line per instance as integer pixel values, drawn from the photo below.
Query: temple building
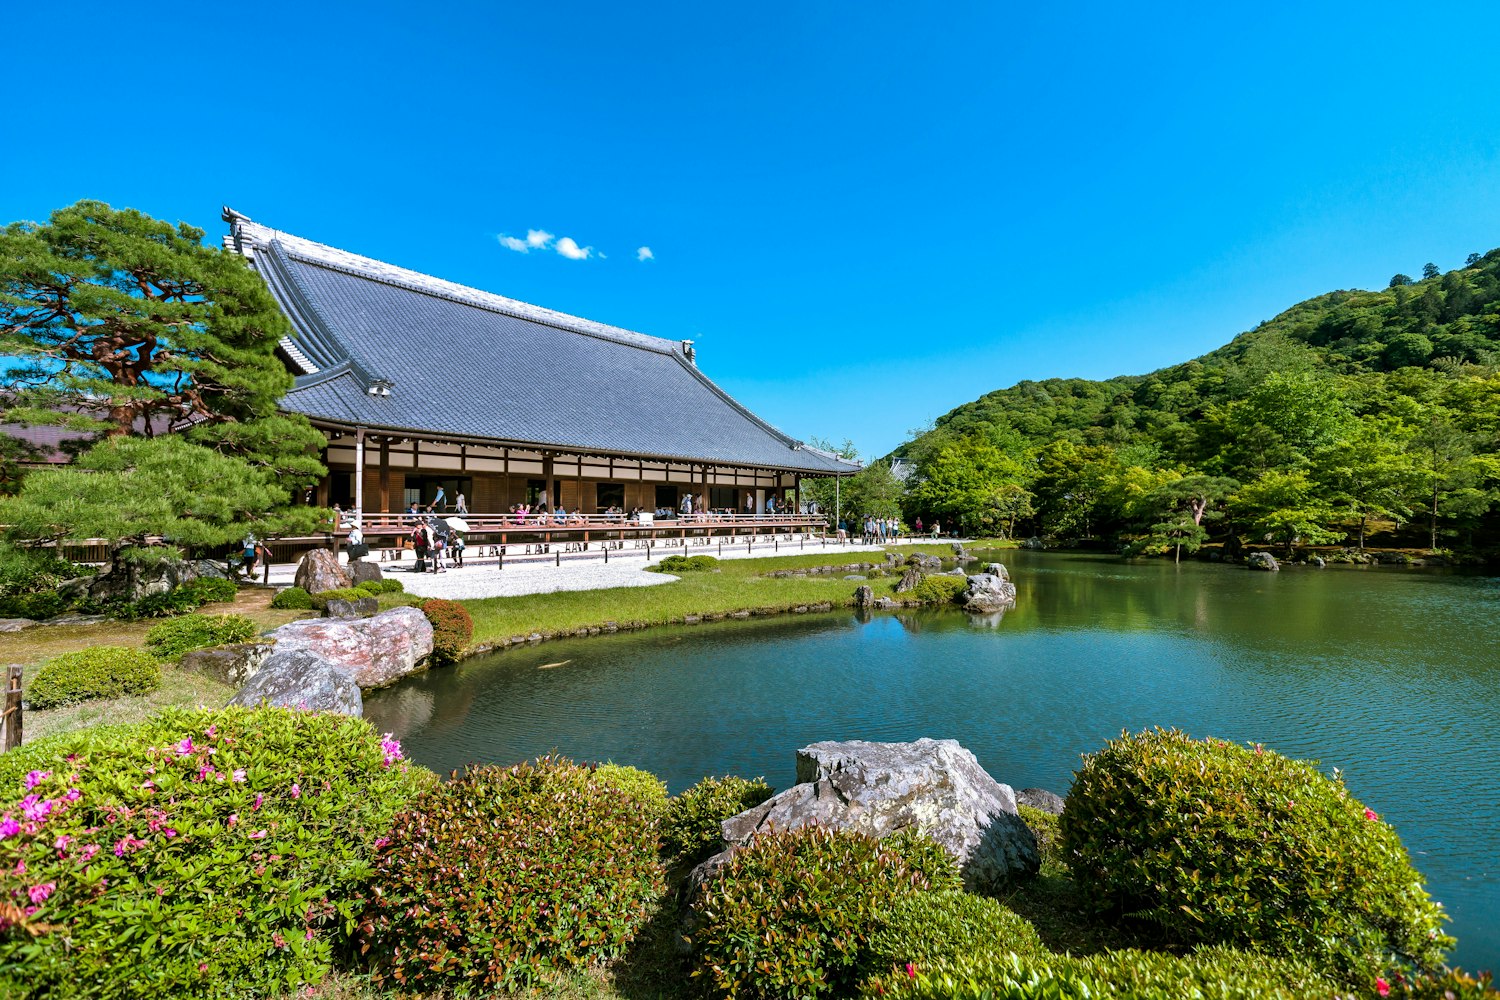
(422, 384)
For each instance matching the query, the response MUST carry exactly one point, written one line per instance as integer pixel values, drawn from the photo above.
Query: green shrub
(788, 915)
(38, 606)
(196, 854)
(452, 629)
(173, 602)
(643, 786)
(175, 636)
(1213, 973)
(928, 928)
(1221, 844)
(690, 829)
(939, 589)
(321, 598)
(385, 586)
(292, 599)
(926, 856)
(1446, 984)
(210, 590)
(687, 564)
(34, 571)
(1044, 827)
(505, 877)
(98, 672)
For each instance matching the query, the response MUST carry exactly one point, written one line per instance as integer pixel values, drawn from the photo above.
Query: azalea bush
(923, 929)
(98, 672)
(789, 915)
(452, 629)
(690, 830)
(175, 636)
(209, 590)
(642, 786)
(504, 877)
(201, 853)
(1217, 843)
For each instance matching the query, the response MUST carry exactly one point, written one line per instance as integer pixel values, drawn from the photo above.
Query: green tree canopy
(120, 323)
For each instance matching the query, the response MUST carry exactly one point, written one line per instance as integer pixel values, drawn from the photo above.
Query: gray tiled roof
(447, 359)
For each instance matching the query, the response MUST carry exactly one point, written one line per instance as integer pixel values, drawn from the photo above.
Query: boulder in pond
(995, 569)
(1264, 561)
(233, 664)
(909, 580)
(987, 593)
(375, 651)
(935, 787)
(864, 597)
(319, 570)
(298, 678)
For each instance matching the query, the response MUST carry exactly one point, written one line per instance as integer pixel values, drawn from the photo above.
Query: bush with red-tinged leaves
(199, 853)
(503, 877)
(452, 629)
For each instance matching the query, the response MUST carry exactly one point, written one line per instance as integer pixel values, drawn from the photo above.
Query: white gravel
(540, 574)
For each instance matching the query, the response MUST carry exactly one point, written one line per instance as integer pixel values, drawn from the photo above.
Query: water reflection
(1392, 675)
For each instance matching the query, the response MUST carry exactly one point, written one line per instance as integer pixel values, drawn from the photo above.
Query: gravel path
(579, 571)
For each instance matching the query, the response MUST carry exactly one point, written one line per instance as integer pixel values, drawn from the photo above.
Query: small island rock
(1264, 561)
(987, 593)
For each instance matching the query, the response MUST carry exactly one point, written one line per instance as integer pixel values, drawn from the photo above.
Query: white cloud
(538, 239)
(644, 253)
(511, 243)
(571, 250)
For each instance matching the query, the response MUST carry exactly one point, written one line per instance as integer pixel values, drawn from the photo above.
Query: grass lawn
(735, 585)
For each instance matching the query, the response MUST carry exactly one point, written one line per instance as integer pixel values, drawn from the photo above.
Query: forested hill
(1352, 407)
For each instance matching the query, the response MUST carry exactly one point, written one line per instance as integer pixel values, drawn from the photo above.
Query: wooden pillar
(385, 475)
(359, 476)
(547, 490)
(705, 489)
(797, 493)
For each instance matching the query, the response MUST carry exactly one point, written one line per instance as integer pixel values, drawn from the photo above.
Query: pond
(1392, 675)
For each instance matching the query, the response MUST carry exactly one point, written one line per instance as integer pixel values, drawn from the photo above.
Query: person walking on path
(460, 505)
(438, 501)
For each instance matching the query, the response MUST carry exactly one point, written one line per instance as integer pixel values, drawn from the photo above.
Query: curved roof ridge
(322, 255)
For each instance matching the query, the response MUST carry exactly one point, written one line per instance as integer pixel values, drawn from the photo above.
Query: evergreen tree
(1429, 270)
(118, 323)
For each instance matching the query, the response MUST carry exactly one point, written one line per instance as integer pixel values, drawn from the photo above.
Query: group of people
(436, 546)
(881, 529)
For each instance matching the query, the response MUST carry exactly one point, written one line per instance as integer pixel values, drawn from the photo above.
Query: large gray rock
(357, 608)
(935, 787)
(1264, 561)
(233, 664)
(364, 571)
(319, 570)
(129, 581)
(375, 651)
(300, 679)
(987, 593)
(15, 624)
(864, 597)
(909, 580)
(995, 569)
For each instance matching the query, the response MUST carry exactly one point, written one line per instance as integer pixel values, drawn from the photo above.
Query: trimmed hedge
(208, 853)
(175, 636)
(98, 672)
(686, 564)
(38, 606)
(929, 928)
(789, 914)
(503, 878)
(939, 589)
(1212, 973)
(690, 829)
(292, 599)
(642, 786)
(452, 629)
(1219, 844)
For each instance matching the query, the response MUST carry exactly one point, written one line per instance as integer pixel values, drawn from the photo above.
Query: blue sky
(865, 214)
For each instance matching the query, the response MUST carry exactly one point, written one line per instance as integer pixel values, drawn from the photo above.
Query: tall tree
(1179, 507)
(1446, 469)
(119, 323)
(1285, 507)
(1368, 473)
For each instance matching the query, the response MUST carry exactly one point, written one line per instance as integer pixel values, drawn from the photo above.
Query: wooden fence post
(12, 714)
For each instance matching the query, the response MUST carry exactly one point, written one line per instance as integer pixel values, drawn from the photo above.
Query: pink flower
(34, 778)
(89, 851)
(911, 971)
(1372, 816)
(61, 843)
(212, 731)
(204, 771)
(127, 845)
(1381, 986)
(20, 867)
(169, 832)
(35, 808)
(239, 774)
(1259, 749)
(381, 842)
(309, 935)
(202, 966)
(278, 940)
(73, 795)
(296, 790)
(9, 827)
(258, 798)
(185, 747)
(257, 835)
(39, 893)
(390, 748)
(233, 819)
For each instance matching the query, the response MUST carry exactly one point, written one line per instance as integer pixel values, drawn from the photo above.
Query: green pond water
(1392, 675)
